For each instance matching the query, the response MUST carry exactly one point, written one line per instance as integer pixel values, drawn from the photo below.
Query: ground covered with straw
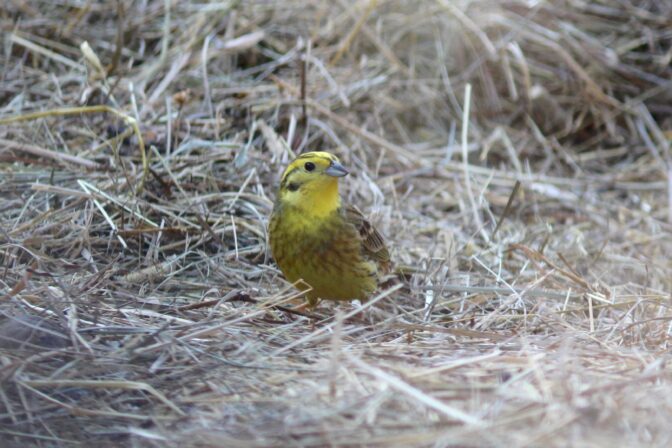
(515, 154)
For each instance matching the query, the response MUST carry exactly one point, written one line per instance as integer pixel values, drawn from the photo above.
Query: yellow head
(310, 184)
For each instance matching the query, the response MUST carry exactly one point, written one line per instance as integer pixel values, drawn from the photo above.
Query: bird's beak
(336, 170)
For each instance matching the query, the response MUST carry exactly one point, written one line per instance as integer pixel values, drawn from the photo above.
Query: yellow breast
(326, 255)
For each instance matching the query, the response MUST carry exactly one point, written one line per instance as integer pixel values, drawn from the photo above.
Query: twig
(507, 209)
(90, 109)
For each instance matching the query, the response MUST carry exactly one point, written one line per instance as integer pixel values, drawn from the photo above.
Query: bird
(314, 237)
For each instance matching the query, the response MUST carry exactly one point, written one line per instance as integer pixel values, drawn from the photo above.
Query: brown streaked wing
(373, 244)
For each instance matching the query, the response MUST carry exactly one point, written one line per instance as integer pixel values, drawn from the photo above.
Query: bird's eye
(309, 166)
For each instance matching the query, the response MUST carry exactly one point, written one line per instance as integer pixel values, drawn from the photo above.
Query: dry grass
(140, 304)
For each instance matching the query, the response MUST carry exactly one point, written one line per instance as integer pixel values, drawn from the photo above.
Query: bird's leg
(309, 307)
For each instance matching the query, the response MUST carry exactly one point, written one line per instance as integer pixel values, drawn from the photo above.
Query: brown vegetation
(140, 146)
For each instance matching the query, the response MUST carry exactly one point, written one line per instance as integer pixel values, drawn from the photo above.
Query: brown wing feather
(373, 244)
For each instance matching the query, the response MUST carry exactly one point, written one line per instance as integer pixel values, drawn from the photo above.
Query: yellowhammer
(332, 247)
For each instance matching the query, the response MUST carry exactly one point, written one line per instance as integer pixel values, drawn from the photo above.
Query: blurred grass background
(140, 147)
